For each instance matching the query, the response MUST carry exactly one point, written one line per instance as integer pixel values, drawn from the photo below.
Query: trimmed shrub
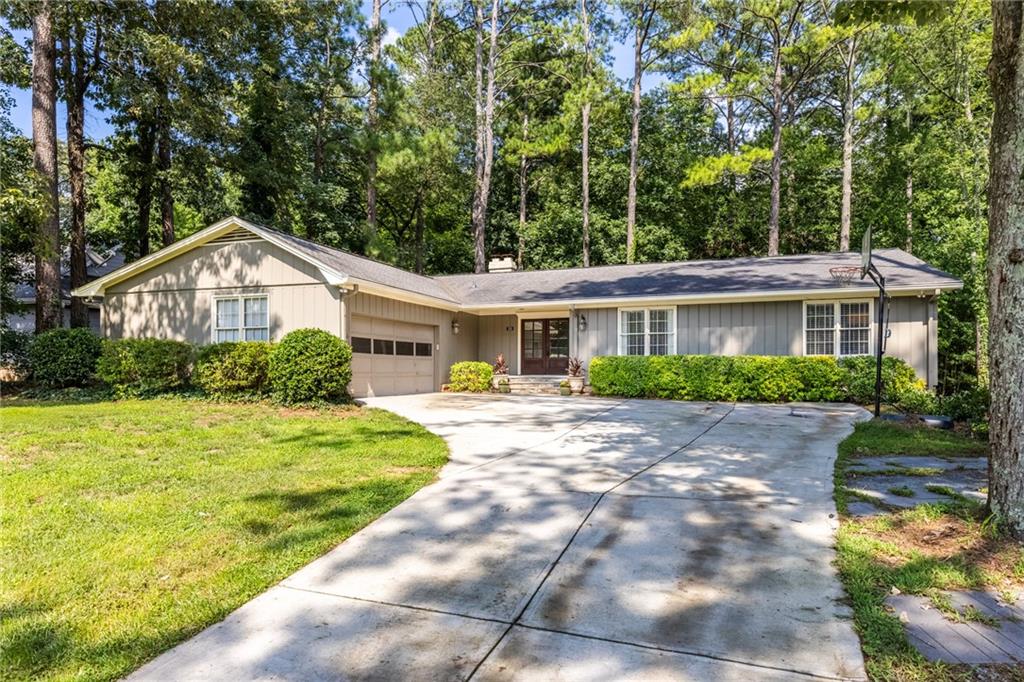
(900, 386)
(233, 367)
(748, 378)
(143, 367)
(64, 357)
(969, 407)
(474, 377)
(310, 365)
(14, 347)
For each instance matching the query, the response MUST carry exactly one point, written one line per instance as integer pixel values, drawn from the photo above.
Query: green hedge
(141, 367)
(64, 357)
(757, 378)
(310, 365)
(233, 367)
(474, 377)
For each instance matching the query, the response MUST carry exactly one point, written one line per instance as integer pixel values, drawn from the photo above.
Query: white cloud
(391, 37)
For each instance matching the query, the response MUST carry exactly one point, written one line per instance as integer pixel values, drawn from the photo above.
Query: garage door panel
(392, 368)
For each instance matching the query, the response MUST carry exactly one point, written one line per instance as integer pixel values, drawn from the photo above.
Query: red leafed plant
(575, 367)
(500, 366)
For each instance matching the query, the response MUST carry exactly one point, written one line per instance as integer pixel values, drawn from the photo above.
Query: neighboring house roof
(708, 280)
(96, 265)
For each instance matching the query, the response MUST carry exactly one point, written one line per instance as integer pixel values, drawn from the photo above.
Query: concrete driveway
(573, 539)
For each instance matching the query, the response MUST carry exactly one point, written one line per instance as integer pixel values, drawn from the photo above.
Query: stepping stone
(973, 643)
(862, 508)
(909, 462)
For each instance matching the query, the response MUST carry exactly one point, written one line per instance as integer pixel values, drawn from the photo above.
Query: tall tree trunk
(44, 150)
(1006, 267)
(524, 187)
(849, 102)
(371, 120)
(144, 192)
(420, 229)
(485, 132)
(776, 165)
(634, 139)
(75, 83)
(164, 159)
(585, 122)
(910, 210)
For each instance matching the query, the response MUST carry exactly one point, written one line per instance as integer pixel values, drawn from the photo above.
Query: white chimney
(501, 264)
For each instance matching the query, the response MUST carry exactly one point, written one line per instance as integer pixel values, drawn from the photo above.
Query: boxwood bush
(233, 367)
(756, 378)
(141, 367)
(64, 357)
(474, 377)
(310, 365)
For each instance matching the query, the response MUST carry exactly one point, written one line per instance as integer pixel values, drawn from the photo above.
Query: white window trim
(836, 325)
(241, 315)
(673, 347)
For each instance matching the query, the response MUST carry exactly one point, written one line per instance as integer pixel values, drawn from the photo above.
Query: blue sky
(397, 17)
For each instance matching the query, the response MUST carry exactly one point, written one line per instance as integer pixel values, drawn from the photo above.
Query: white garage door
(391, 358)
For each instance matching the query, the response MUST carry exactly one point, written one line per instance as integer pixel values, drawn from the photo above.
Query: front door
(545, 346)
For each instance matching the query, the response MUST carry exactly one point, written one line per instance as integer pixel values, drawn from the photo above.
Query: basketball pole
(879, 281)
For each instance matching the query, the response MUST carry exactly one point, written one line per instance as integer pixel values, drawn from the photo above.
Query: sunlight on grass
(923, 550)
(129, 526)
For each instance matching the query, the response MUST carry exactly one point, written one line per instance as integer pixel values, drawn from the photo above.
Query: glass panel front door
(545, 346)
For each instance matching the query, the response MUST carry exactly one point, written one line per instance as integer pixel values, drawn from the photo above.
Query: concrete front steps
(535, 383)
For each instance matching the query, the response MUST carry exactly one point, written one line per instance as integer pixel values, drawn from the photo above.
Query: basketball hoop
(844, 274)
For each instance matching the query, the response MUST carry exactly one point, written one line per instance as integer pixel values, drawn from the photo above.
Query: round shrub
(310, 365)
(233, 367)
(474, 377)
(142, 367)
(64, 357)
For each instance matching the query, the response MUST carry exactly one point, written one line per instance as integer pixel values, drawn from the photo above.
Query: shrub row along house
(239, 281)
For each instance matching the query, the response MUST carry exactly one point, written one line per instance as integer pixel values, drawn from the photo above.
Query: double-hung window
(837, 328)
(647, 331)
(241, 318)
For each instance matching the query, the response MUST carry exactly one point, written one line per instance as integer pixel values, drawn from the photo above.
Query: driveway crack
(572, 538)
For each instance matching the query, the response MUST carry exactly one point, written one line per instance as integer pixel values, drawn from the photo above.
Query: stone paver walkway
(972, 642)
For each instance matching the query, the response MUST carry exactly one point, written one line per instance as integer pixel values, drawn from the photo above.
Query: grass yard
(918, 551)
(129, 526)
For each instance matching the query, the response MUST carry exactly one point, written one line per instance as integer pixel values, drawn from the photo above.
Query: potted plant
(504, 386)
(500, 372)
(575, 372)
(564, 387)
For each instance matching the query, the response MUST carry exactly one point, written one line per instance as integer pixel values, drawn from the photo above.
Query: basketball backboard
(865, 254)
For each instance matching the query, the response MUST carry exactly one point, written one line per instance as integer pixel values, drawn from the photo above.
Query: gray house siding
(773, 328)
(769, 328)
(495, 338)
(174, 300)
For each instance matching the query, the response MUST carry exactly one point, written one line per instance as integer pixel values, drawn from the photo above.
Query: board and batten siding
(449, 348)
(499, 334)
(769, 328)
(174, 300)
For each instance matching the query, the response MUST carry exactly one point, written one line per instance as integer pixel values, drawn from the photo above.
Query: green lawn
(920, 551)
(129, 526)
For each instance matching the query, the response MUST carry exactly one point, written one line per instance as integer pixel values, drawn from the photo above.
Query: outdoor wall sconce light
(510, 328)
(455, 326)
(581, 322)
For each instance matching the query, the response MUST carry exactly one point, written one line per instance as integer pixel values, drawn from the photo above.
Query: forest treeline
(499, 127)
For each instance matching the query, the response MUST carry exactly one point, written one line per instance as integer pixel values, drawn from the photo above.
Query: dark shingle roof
(689, 278)
(361, 267)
